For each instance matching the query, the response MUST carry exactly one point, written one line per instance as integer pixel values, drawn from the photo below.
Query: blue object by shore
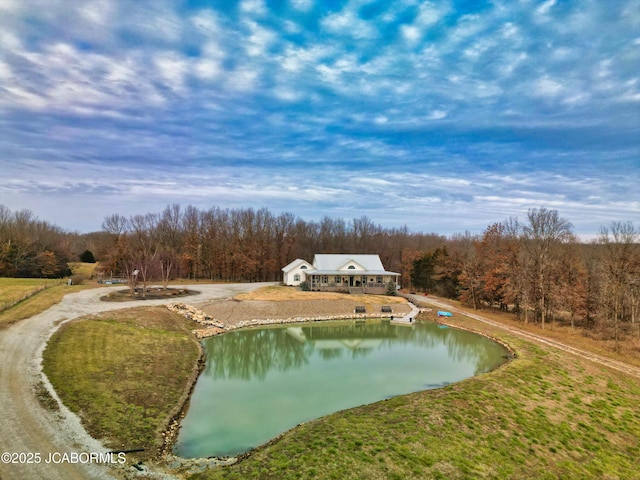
(442, 313)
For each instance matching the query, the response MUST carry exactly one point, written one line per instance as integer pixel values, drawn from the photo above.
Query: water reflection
(259, 383)
(251, 354)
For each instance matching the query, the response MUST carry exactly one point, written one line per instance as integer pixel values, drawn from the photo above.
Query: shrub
(77, 279)
(87, 257)
(304, 286)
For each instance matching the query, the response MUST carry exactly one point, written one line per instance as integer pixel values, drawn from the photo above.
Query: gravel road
(35, 432)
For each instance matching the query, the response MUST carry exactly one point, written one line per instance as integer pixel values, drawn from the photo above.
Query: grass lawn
(546, 414)
(13, 290)
(22, 298)
(37, 303)
(125, 373)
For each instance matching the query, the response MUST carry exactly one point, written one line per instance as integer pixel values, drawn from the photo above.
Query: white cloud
(546, 87)
(303, 5)
(242, 79)
(512, 61)
(10, 5)
(98, 13)
(209, 65)
(158, 23)
(260, 39)
(431, 13)
(348, 23)
(206, 22)
(173, 68)
(437, 115)
(545, 7)
(253, 7)
(5, 71)
(18, 96)
(411, 33)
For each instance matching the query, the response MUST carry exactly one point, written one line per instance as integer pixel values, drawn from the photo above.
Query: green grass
(12, 290)
(37, 303)
(126, 375)
(540, 416)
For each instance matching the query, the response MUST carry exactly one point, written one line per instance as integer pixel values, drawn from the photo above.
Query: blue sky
(445, 116)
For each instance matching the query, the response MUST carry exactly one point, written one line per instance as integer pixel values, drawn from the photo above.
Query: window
(325, 279)
(303, 267)
(296, 277)
(351, 267)
(378, 279)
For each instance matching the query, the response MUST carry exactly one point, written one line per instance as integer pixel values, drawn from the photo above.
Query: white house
(294, 273)
(341, 272)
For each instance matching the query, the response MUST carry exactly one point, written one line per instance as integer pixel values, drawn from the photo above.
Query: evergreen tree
(87, 257)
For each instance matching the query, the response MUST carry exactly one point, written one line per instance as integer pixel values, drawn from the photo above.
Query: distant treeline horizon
(537, 268)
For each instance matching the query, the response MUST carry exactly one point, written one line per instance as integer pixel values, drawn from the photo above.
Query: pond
(258, 383)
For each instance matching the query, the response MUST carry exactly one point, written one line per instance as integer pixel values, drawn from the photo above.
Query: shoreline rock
(215, 327)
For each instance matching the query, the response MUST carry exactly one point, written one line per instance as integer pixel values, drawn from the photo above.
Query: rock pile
(213, 326)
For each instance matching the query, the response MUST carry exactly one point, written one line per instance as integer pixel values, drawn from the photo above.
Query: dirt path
(28, 428)
(619, 366)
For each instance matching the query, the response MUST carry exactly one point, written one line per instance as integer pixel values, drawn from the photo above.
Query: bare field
(288, 302)
(279, 294)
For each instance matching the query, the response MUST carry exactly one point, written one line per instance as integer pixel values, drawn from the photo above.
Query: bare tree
(620, 268)
(542, 234)
(168, 238)
(144, 245)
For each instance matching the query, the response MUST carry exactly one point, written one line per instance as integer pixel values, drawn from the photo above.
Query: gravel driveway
(35, 432)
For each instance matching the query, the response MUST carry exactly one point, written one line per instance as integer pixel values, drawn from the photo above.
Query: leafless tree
(541, 236)
(620, 269)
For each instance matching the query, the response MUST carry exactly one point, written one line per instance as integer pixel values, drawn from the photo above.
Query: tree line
(536, 267)
(30, 247)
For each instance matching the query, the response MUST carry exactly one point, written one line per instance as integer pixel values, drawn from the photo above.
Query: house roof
(297, 262)
(335, 264)
(324, 261)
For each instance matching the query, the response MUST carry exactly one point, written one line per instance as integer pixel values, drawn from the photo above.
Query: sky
(444, 116)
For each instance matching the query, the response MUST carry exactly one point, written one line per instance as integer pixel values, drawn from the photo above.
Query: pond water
(258, 383)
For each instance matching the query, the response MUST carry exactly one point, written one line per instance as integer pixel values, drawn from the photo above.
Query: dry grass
(37, 303)
(85, 269)
(280, 294)
(13, 290)
(22, 298)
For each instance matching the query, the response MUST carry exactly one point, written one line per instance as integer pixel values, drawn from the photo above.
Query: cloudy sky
(444, 115)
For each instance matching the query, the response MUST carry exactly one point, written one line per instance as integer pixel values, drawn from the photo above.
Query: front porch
(350, 283)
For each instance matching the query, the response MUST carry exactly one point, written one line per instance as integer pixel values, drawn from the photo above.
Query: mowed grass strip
(13, 290)
(125, 375)
(37, 303)
(547, 414)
